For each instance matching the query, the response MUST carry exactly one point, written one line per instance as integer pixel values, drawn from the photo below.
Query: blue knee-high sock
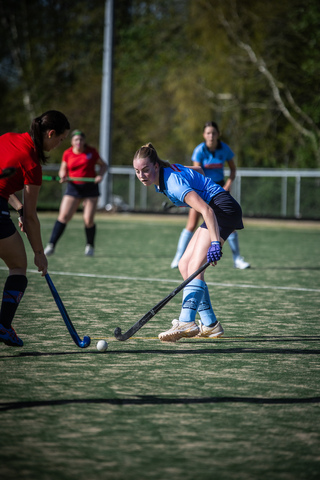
(184, 239)
(192, 295)
(13, 291)
(234, 244)
(205, 310)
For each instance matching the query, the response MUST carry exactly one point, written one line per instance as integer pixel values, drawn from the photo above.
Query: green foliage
(48, 50)
(177, 64)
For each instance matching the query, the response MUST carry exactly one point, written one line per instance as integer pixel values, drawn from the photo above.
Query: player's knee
(183, 267)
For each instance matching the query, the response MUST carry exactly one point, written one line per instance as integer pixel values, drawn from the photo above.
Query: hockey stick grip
(56, 178)
(129, 333)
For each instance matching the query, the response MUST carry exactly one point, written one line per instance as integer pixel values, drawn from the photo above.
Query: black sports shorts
(83, 190)
(7, 227)
(228, 213)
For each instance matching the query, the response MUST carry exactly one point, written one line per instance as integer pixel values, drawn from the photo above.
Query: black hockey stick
(7, 172)
(77, 340)
(129, 333)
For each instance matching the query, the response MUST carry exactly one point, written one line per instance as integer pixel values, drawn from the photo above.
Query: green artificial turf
(245, 406)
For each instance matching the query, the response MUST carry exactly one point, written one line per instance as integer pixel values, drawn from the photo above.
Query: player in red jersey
(79, 161)
(25, 153)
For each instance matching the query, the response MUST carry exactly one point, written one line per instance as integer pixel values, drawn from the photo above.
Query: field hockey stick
(7, 172)
(56, 178)
(77, 340)
(129, 333)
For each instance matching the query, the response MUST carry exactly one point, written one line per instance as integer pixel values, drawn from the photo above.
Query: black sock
(57, 231)
(90, 234)
(13, 291)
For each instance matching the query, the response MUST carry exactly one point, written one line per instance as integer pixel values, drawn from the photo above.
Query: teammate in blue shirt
(187, 186)
(211, 155)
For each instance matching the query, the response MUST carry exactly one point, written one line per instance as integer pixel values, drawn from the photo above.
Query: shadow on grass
(266, 339)
(213, 350)
(153, 400)
(284, 268)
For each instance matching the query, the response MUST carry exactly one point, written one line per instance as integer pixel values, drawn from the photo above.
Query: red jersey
(81, 164)
(17, 150)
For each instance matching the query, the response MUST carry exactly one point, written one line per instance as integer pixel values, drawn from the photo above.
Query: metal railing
(137, 197)
(284, 175)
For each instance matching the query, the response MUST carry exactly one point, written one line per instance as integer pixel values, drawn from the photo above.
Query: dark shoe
(9, 337)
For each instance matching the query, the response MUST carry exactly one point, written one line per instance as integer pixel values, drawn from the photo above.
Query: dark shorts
(228, 213)
(83, 190)
(7, 227)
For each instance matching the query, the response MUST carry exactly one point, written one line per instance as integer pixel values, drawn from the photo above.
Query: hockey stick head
(7, 172)
(85, 342)
(117, 333)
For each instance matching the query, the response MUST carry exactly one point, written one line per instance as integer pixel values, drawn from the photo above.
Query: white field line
(167, 280)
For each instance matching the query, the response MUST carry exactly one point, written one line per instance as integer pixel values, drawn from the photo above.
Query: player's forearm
(32, 229)
(102, 170)
(15, 202)
(227, 185)
(63, 171)
(212, 224)
(232, 176)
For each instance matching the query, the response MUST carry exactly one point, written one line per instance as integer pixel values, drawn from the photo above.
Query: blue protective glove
(214, 252)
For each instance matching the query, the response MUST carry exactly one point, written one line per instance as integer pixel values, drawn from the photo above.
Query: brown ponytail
(148, 151)
(51, 120)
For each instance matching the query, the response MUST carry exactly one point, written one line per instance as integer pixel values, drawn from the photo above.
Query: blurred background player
(78, 161)
(188, 187)
(211, 155)
(24, 152)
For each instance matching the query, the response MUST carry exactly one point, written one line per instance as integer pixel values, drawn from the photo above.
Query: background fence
(273, 193)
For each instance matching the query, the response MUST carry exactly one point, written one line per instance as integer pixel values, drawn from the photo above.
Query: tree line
(252, 66)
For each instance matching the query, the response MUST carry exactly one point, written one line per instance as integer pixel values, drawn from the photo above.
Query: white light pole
(106, 100)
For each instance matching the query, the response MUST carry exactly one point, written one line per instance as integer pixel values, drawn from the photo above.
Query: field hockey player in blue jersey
(212, 155)
(188, 187)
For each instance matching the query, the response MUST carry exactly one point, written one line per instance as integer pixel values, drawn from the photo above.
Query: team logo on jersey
(211, 166)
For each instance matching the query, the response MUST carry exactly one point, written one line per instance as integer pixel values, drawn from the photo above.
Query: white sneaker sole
(219, 333)
(176, 335)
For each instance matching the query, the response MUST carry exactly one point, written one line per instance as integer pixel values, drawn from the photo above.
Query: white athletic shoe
(49, 250)
(179, 330)
(210, 332)
(241, 263)
(175, 261)
(89, 251)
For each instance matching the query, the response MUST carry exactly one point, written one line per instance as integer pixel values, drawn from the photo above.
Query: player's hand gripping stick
(214, 252)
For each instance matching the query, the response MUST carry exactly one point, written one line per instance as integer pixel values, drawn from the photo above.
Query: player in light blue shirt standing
(211, 155)
(187, 186)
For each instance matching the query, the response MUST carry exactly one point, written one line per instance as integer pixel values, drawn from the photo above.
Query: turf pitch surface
(245, 406)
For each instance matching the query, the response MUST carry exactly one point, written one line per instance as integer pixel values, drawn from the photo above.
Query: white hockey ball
(102, 345)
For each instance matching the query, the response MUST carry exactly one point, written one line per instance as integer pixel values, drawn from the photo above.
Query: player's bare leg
(185, 236)
(195, 295)
(13, 253)
(68, 208)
